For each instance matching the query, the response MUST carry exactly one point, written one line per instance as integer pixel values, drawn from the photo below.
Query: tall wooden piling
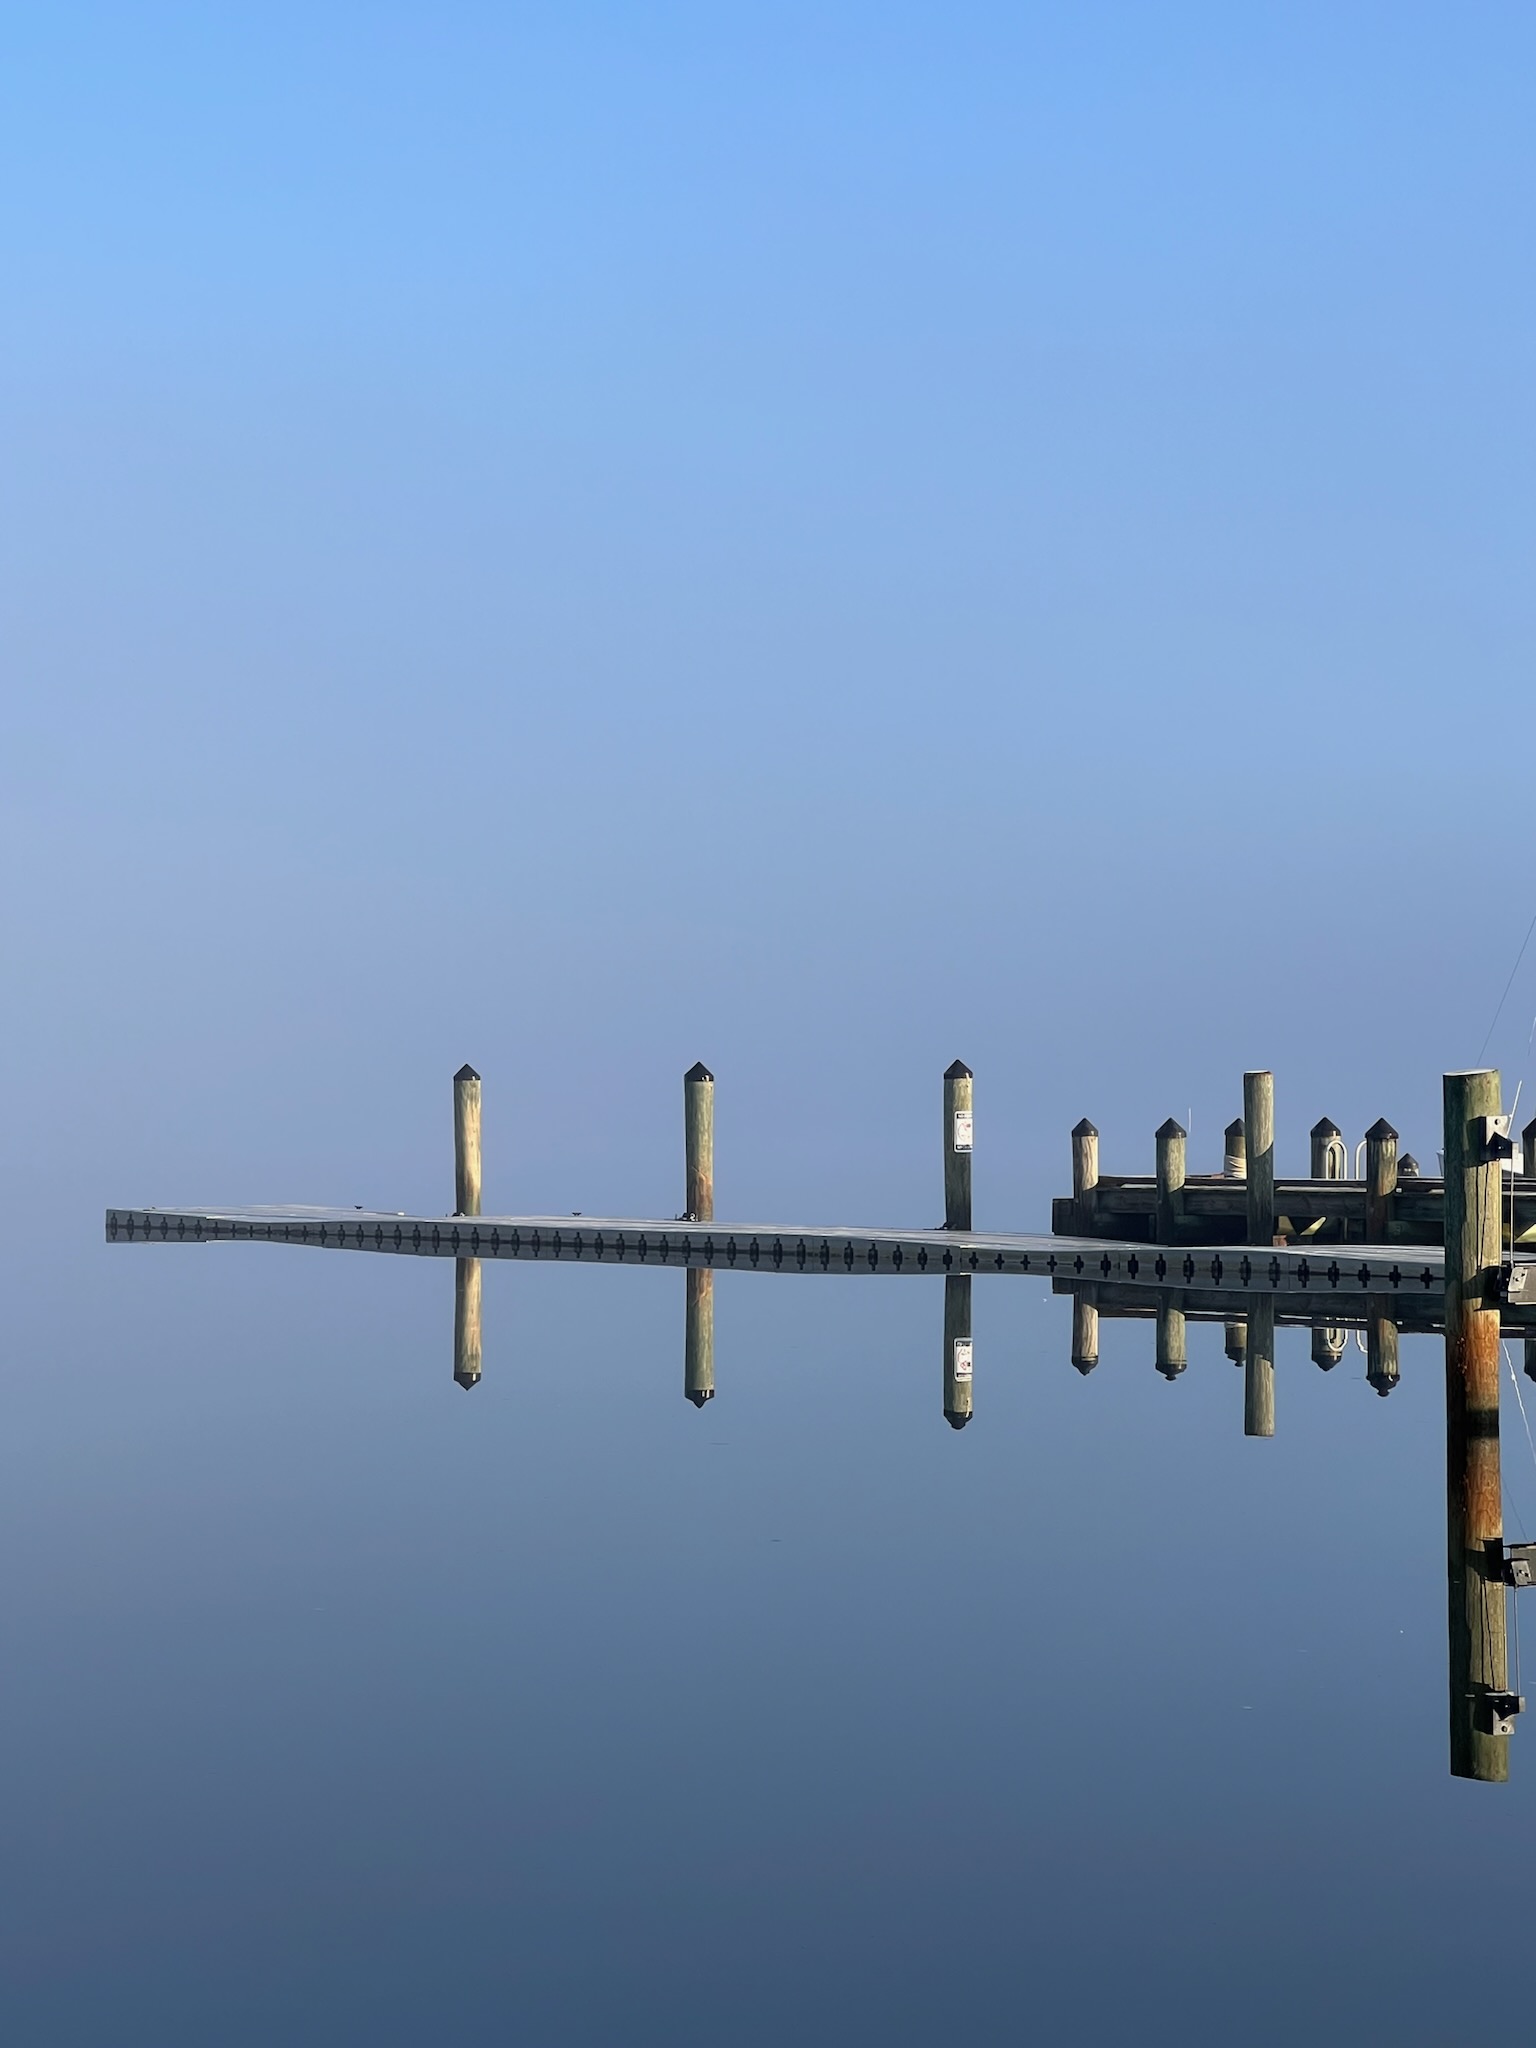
(1474, 1511)
(1259, 1130)
(1330, 1160)
(958, 1133)
(1259, 1368)
(466, 1202)
(1085, 1172)
(1234, 1151)
(466, 1142)
(699, 1207)
(1172, 1154)
(1085, 1329)
(699, 1144)
(957, 1349)
(1172, 1336)
(1380, 1345)
(1380, 1179)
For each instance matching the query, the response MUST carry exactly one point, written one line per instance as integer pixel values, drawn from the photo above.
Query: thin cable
(1531, 927)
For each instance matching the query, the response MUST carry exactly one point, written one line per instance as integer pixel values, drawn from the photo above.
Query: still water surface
(346, 1705)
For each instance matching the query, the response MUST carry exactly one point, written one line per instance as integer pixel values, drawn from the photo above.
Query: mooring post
(466, 1202)
(1172, 1336)
(699, 1207)
(1235, 1340)
(1330, 1161)
(1234, 1151)
(699, 1144)
(1085, 1174)
(1380, 1179)
(1328, 1342)
(1259, 1368)
(957, 1147)
(1085, 1328)
(466, 1142)
(1474, 1512)
(1171, 1159)
(957, 1349)
(1259, 1130)
(1380, 1346)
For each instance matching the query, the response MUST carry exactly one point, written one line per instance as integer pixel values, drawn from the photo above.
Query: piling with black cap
(1085, 1173)
(1380, 1345)
(957, 1349)
(1085, 1328)
(1172, 1354)
(958, 1132)
(1330, 1160)
(1234, 1151)
(1328, 1342)
(699, 1207)
(1380, 1179)
(1172, 1156)
(466, 1202)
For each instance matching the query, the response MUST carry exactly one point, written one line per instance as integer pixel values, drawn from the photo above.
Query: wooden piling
(1259, 1368)
(1328, 1342)
(957, 1349)
(1330, 1159)
(1085, 1329)
(1235, 1340)
(1474, 1511)
(1171, 1162)
(466, 1142)
(958, 1130)
(1172, 1337)
(1234, 1151)
(699, 1336)
(1380, 1345)
(699, 1144)
(1380, 1179)
(1259, 1131)
(1085, 1172)
(466, 1322)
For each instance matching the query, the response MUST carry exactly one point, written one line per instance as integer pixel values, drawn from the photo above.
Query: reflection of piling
(1259, 1134)
(1172, 1337)
(1172, 1153)
(1259, 1368)
(1235, 1341)
(957, 1349)
(1530, 1358)
(699, 1207)
(1380, 1346)
(1474, 1514)
(1234, 1151)
(1085, 1172)
(1380, 1179)
(1328, 1342)
(958, 1125)
(1085, 1329)
(466, 1202)
(1329, 1158)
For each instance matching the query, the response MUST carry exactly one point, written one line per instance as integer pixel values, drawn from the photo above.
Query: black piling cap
(466, 1073)
(955, 1419)
(1407, 1167)
(1235, 1129)
(698, 1072)
(1325, 1127)
(699, 1395)
(957, 1070)
(1383, 1382)
(1171, 1128)
(1083, 1129)
(1326, 1364)
(1381, 1129)
(1170, 1372)
(466, 1380)
(1085, 1365)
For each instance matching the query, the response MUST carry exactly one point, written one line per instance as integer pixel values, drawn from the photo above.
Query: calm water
(345, 1705)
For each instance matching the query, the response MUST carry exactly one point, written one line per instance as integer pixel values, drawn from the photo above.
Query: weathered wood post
(466, 1202)
(1474, 1509)
(1171, 1159)
(1085, 1174)
(1235, 1340)
(1259, 1368)
(1172, 1335)
(699, 1207)
(957, 1349)
(1380, 1179)
(466, 1142)
(1328, 1342)
(1380, 1345)
(1085, 1328)
(1330, 1160)
(1234, 1151)
(1259, 1130)
(957, 1146)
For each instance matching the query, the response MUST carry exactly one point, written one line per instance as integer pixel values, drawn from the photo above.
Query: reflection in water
(699, 1337)
(466, 1322)
(1259, 1368)
(957, 1350)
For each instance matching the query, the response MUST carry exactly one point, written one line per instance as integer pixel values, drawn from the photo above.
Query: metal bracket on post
(1493, 1137)
(1517, 1563)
